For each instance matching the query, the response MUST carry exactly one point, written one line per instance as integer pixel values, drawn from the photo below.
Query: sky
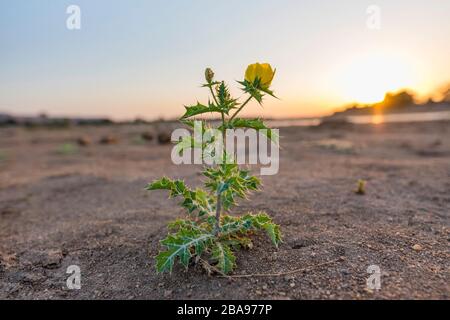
(146, 58)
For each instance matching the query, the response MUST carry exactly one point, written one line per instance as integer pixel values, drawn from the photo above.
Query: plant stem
(224, 141)
(218, 212)
(239, 110)
(219, 200)
(213, 95)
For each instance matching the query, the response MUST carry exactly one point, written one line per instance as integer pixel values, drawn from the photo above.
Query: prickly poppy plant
(209, 233)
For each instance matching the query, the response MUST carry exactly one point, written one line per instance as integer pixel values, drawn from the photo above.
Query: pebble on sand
(147, 136)
(167, 293)
(108, 140)
(83, 141)
(164, 138)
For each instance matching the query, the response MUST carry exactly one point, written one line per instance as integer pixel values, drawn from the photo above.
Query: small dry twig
(209, 267)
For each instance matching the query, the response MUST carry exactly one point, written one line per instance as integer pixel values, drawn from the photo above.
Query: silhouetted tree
(397, 100)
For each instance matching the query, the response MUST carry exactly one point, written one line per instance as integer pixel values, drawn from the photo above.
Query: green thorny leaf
(198, 109)
(204, 227)
(226, 102)
(226, 261)
(182, 244)
(191, 239)
(230, 182)
(256, 124)
(207, 143)
(255, 90)
(192, 122)
(197, 199)
(234, 226)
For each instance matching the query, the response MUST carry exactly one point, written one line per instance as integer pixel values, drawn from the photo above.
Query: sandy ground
(87, 206)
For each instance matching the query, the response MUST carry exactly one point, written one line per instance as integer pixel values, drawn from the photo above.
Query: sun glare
(367, 79)
(377, 119)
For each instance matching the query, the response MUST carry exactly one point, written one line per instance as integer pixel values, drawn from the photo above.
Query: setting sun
(367, 79)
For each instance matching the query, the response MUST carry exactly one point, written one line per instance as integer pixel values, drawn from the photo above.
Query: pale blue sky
(146, 58)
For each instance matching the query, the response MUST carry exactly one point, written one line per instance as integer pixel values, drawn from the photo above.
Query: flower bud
(209, 75)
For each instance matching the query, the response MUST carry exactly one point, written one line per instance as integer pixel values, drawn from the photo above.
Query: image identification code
(226, 309)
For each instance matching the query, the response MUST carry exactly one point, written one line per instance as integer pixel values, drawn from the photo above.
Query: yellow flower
(262, 71)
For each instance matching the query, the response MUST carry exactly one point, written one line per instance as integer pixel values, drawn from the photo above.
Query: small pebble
(108, 140)
(83, 141)
(167, 293)
(148, 136)
(164, 138)
(288, 278)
